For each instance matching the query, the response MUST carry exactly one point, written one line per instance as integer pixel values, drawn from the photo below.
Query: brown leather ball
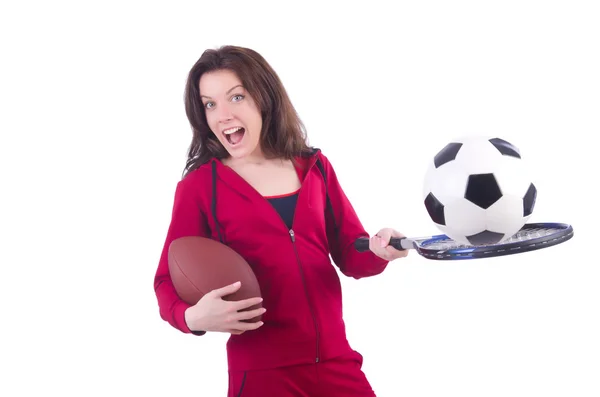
(198, 265)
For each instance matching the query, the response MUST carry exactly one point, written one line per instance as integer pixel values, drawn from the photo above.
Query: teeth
(231, 130)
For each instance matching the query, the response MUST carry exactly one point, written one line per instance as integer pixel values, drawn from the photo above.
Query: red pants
(342, 376)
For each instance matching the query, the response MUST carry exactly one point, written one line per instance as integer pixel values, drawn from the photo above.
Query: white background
(94, 138)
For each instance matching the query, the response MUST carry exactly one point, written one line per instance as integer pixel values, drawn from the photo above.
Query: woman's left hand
(379, 245)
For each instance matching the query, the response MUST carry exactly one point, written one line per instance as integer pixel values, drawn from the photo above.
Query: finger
(384, 236)
(248, 314)
(381, 248)
(396, 233)
(375, 244)
(244, 326)
(226, 290)
(392, 252)
(244, 303)
(379, 242)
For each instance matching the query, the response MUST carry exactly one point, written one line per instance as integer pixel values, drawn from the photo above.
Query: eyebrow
(227, 93)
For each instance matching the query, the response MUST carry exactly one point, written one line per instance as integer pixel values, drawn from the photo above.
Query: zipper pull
(292, 236)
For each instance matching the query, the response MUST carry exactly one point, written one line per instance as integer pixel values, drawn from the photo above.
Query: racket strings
(524, 235)
(531, 233)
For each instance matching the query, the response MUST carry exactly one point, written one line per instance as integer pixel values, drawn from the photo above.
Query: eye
(208, 105)
(239, 98)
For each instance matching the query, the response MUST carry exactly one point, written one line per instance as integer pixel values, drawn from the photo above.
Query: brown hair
(283, 134)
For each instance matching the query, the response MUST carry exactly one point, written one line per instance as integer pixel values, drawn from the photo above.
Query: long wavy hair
(283, 134)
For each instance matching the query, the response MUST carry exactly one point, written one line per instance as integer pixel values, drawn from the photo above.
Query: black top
(285, 205)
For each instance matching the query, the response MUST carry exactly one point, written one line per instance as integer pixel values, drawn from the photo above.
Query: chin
(237, 153)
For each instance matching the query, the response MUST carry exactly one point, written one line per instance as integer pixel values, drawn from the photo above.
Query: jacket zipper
(310, 305)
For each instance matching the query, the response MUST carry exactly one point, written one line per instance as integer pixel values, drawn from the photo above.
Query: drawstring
(214, 199)
(329, 206)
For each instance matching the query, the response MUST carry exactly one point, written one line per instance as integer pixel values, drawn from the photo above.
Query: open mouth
(234, 135)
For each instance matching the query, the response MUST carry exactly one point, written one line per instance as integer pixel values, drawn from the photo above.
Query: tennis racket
(532, 236)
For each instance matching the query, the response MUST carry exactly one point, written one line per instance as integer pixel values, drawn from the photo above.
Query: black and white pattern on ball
(447, 154)
(529, 200)
(478, 189)
(485, 237)
(483, 190)
(505, 148)
(435, 209)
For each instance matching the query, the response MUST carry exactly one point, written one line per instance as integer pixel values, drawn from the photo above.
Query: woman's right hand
(213, 314)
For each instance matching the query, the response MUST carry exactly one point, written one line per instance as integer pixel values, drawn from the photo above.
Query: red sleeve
(186, 220)
(341, 243)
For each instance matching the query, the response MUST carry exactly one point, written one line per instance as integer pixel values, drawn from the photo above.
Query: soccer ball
(477, 190)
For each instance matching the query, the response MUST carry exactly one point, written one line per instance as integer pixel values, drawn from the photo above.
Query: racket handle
(362, 244)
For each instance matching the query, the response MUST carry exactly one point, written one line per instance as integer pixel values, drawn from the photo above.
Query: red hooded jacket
(300, 288)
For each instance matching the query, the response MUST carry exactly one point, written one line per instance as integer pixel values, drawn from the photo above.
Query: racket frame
(564, 233)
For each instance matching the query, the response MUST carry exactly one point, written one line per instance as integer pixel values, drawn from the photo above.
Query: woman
(253, 183)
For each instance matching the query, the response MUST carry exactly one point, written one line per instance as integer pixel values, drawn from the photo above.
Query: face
(231, 113)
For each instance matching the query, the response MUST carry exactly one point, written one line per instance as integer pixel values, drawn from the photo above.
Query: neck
(255, 158)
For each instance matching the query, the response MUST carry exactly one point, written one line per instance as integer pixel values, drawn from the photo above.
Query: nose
(224, 113)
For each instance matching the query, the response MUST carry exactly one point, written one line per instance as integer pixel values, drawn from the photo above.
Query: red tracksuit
(302, 343)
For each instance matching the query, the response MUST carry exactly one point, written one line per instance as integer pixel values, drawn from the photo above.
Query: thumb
(384, 235)
(226, 290)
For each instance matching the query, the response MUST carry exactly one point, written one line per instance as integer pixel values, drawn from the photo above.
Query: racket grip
(362, 244)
